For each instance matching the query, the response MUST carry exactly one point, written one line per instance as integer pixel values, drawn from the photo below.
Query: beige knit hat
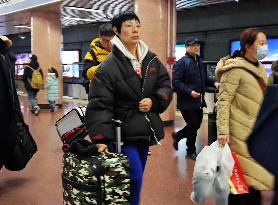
(6, 40)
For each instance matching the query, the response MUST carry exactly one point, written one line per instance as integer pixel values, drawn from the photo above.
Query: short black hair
(53, 70)
(34, 58)
(106, 30)
(122, 17)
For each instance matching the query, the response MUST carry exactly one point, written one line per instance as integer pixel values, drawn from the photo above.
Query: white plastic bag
(212, 170)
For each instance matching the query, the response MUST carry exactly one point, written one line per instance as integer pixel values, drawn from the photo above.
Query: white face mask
(262, 52)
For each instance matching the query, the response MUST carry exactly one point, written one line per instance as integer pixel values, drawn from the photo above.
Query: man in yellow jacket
(100, 48)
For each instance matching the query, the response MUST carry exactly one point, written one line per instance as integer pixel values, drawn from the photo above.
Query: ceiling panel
(86, 11)
(4, 1)
(96, 10)
(186, 4)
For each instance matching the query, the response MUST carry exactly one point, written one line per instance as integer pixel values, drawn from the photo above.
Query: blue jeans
(32, 97)
(137, 153)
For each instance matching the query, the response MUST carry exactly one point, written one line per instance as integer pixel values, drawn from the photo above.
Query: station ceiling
(76, 12)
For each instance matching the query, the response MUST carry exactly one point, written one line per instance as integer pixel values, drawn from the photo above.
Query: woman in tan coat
(243, 80)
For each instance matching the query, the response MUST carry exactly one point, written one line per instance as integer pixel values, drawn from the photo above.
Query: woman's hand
(102, 147)
(222, 139)
(217, 85)
(145, 105)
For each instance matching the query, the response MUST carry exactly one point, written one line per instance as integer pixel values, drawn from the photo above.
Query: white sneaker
(37, 110)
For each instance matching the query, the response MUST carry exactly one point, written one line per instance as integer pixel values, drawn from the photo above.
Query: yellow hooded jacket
(90, 63)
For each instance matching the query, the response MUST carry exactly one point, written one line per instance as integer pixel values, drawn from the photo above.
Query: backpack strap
(93, 55)
(29, 67)
(259, 80)
(38, 69)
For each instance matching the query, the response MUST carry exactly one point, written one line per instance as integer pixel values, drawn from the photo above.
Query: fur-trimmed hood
(227, 63)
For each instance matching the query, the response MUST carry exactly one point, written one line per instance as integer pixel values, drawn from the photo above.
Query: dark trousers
(275, 201)
(252, 198)
(193, 119)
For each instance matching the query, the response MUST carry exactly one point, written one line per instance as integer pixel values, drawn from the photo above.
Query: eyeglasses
(105, 39)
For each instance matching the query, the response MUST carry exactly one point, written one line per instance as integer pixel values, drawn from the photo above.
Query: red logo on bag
(237, 181)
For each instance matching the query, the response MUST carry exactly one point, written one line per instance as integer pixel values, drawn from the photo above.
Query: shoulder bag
(25, 146)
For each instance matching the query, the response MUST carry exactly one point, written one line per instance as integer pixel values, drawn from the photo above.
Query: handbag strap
(260, 81)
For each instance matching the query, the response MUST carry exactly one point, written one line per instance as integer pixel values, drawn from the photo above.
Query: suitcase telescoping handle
(117, 125)
(215, 92)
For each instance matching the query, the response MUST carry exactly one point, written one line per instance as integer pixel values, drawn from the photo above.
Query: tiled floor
(167, 179)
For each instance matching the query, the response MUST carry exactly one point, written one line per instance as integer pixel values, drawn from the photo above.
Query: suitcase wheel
(65, 147)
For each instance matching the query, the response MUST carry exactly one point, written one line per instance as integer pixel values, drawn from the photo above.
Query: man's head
(192, 45)
(106, 33)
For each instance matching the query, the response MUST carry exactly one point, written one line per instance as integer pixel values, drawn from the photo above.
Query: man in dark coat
(189, 81)
(8, 100)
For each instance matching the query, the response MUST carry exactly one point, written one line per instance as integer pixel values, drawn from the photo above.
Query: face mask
(262, 52)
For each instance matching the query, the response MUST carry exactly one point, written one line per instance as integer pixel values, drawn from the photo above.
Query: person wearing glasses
(189, 81)
(100, 48)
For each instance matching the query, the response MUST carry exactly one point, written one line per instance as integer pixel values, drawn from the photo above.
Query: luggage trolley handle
(117, 124)
(215, 93)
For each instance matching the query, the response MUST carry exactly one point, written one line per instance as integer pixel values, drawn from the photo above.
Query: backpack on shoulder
(36, 81)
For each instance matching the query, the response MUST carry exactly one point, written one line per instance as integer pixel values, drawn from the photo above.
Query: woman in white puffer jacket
(51, 87)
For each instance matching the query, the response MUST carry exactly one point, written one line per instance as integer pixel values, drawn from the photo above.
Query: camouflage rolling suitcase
(100, 178)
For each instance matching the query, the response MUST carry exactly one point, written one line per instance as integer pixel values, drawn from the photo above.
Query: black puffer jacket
(8, 102)
(115, 93)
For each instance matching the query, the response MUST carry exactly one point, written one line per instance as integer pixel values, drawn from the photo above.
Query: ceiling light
(21, 37)
(82, 9)
(78, 19)
(22, 26)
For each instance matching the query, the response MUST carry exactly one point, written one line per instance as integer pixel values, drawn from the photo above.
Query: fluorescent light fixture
(22, 37)
(22, 26)
(78, 19)
(82, 9)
